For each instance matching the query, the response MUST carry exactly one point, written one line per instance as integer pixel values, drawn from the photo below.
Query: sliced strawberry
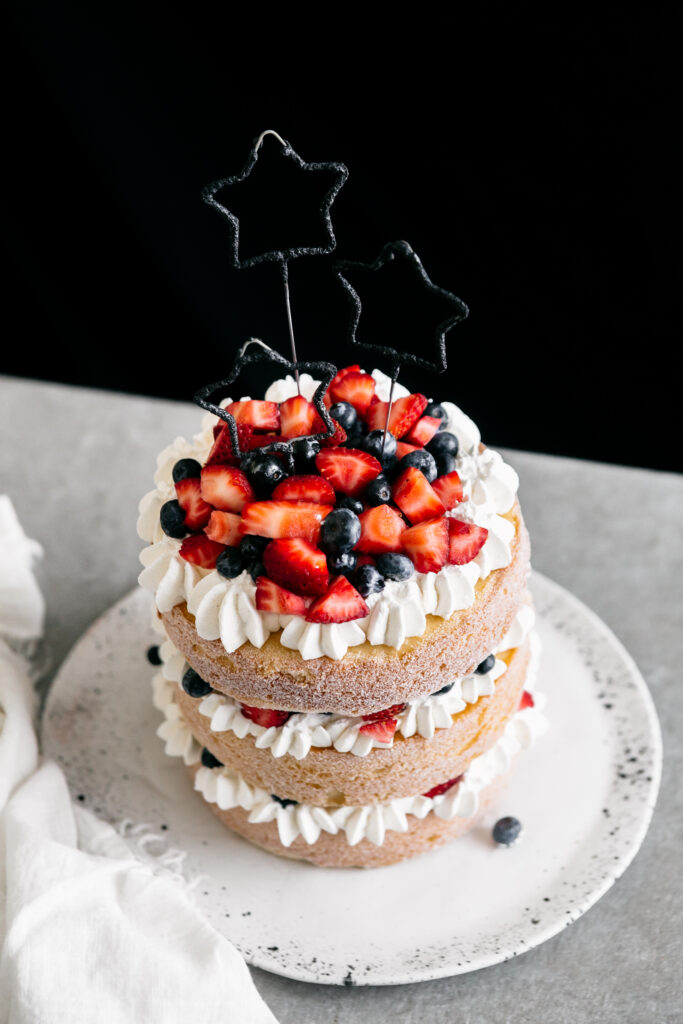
(355, 388)
(381, 530)
(272, 598)
(305, 488)
(267, 717)
(376, 414)
(382, 732)
(334, 440)
(257, 414)
(466, 541)
(222, 453)
(526, 701)
(341, 603)
(402, 449)
(340, 376)
(415, 496)
(427, 544)
(299, 417)
(443, 787)
(423, 431)
(226, 488)
(382, 716)
(197, 511)
(225, 528)
(284, 518)
(201, 550)
(260, 440)
(449, 489)
(349, 470)
(297, 565)
(405, 412)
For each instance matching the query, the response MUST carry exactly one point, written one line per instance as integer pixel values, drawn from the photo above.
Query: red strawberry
(341, 603)
(443, 787)
(197, 511)
(383, 732)
(415, 497)
(226, 488)
(272, 598)
(305, 488)
(382, 716)
(201, 550)
(222, 452)
(300, 417)
(334, 440)
(376, 414)
(405, 412)
(526, 701)
(381, 530)
(449, 489)
(347, 469)
(297, 565)
(355, 388)
(259, 440)
(340, 376)
(267, 717)
(423, 431)
(427, 544)
(466, 541)
(284, 518)
(402, 449)
(257, 414)
(225, 528)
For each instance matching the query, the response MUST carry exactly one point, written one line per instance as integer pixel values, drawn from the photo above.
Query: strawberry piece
(382, 716)
(300, 417)
(415, 496)
(466, 541)
(341, 603)
(355, 388)
(284, 518)
(260, 440)
(405, 412)
(423, 431)
(349, 470)
(305, 488)
(381, 530)
(226, 488)
(257, 414)
(272, 598)
(340, 374)
(197, 511)
(449, 489)
(427, 544)
(376, 414)
(297, 565)
(526, 701)
(382, 732)
(443, 787)
(222, 452)
(334, 440)
(201, 550)
(402, 449)
(267, 717)
(225, 528)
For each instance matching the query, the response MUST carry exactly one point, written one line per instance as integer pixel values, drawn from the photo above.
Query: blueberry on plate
(265, 471)
(230, 563)
(437, 411)
(340, 531)
(395, 567)
(367, 580)
(345, 415)
(172, 519)
(422, 460)
(486, 665)
(346, 501)
(506, 830)
(443, 441)
(342, 564)
(186, 469)
(194, 685)
(304, 451)
(378, 491)
(209, 761)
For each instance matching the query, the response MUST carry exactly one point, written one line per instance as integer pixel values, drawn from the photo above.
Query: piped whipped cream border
(226, 610)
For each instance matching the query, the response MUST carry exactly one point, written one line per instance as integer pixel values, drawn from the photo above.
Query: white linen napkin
(88, 932)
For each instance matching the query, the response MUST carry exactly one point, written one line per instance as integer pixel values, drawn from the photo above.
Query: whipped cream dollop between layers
(304, 730)
(225, 609)
(228, 789)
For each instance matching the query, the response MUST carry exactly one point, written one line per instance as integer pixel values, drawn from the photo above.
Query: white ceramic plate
(584, 793)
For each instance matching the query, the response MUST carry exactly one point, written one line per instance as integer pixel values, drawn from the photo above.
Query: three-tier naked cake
(349, 657)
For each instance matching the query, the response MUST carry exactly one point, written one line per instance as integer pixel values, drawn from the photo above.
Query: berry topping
(284, 518)
(445, 463)
(341, 603)
(193, 684)
(208, 759)
(197, 511)
(267, 717)
(265, 471)
(201, 551)
(402, 449)
(444, 689)
(297, 565)
(225, 528)
(253, 547)
(222, 452)
(334, 440)
(272, 598)
(423, 431)
(346, 501)
(437, 411)
(342, 564)
(380, 530)
(153, 655)
(395, 567)
(421, 460)
(347, 469)
(427, 544)
(405, 412)
(257, 414)
(372, 443)
(466, 541)
(506, 830)
(449, 489)
(378, 491)
(443, 441)
(304, 452)
(344, 414)
(256, 569)
(299, 417)
(305, 488)
(443, 787)
(226, 488)
(415, 496)
(230, 563)
(340, 531)
(384, 716)
(172, 519)
(486, 665)
(381, 732)
(354, 387)
(367, 580)
(527, 701)
(186, 469)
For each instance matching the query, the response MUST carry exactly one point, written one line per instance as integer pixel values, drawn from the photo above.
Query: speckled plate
(585, 794)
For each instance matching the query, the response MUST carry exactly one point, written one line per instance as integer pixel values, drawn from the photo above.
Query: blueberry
(445, 463)
(354, 437)
(172, 519)
(186, 469)
(346, 501)
(368, 580)
(437, 411)
(265, 471)
(304, 452)
(345, 415)
(209, 761)
(372, 443)
(444, 689)
(153, 656)
(443, 441)
(394, 567)
(256, 569)
(378, 491)
(421, 460)
(284, 801)
(486, 665)
(342, 564)
(253, 547)
(340, 531)
(194, 685)
(506, 830)
(230, 563)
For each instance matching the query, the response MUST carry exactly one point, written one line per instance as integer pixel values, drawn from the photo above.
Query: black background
(527, 157)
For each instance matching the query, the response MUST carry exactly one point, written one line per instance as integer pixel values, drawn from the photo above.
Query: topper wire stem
(386, 424)
(285, 281)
